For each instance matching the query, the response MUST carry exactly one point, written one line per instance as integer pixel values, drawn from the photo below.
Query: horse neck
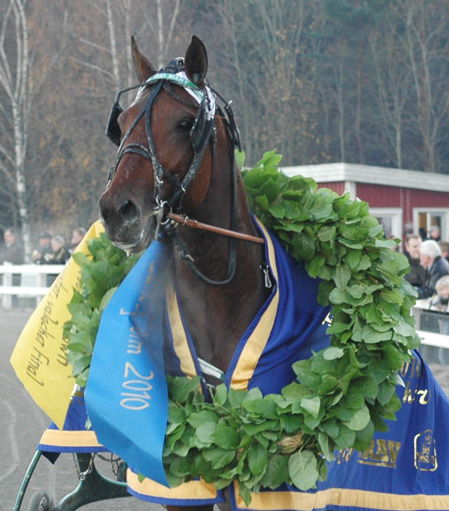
(220, 209)
(217, 316)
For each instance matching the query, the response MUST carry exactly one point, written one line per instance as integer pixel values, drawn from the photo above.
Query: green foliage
(101, 274)
(342, 394)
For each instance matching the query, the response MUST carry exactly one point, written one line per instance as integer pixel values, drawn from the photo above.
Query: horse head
(166, 140)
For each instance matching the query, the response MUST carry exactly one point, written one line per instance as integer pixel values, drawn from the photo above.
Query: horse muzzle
(125, 223)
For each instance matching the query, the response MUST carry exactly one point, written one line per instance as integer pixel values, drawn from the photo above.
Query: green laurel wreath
(342, 394)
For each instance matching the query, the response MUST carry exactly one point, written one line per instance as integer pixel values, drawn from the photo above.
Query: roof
(386, 176)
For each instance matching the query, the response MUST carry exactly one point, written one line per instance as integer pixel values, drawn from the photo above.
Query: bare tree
(264, 70)
(427, 25)
(17, 86)
(392, 80)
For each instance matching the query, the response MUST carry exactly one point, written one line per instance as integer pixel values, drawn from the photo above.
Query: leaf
(254, 429)
(315, 265)
(276, 472)
(220, 396)
(225, 436)
(204, 416)
(303, 245)
(240, 157)
(326, 233)
(257, 458)
(353, 258)
(342, 276)
(262, 407)
(302, 469)
(311, 405)
(391, 296)
(328, 384)
(345, 437)
(277, 210)
(205, 433)
(367, 386)
(219, 458)
(359, 420)
(338, 296)
(106, 298)
(324, 443)
(386, 391)
(176, 414)
(332, 353)
(236, 397)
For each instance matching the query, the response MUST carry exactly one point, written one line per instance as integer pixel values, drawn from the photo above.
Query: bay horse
(176, 155)
(175, 162)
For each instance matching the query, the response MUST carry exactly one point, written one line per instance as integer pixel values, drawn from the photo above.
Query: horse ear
(142, 66)
(196, 62)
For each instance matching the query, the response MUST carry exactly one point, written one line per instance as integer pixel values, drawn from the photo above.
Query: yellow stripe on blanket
(346, 498)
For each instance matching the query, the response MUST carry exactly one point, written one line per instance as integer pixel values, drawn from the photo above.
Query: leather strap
(184, 220)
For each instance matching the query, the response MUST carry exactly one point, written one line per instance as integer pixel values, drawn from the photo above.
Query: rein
(185, 220)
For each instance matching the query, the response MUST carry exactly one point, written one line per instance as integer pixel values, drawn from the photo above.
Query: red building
(401, 199)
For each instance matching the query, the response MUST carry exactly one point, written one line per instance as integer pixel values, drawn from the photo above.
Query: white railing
(33, 282)
(25, 280)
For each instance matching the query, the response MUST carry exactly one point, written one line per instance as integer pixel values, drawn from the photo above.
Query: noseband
(202, 133)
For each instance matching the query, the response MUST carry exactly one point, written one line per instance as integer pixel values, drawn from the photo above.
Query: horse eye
(185, 124)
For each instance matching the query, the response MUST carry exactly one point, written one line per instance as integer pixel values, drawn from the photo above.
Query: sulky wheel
(41, 501)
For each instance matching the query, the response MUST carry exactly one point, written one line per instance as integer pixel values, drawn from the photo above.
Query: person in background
(444, 245)
(440, 303)
(13, 251)
(44, 248)
(436, 267)
(417, 275)
(435, 233)
(59, 254)
(77, 235)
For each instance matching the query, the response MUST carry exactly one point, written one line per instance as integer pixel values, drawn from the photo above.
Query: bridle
(202, 134)
(203, 131)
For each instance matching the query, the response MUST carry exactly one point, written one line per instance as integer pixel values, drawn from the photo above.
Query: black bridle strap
(159, 171)
(181, 187)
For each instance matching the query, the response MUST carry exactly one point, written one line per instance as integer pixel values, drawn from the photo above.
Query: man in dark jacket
(436, 266)
(417, 275)
(13, 251)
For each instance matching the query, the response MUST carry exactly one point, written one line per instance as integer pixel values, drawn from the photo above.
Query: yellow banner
(39, 357)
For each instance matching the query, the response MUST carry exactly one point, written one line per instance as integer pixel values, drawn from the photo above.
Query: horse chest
(217, 318)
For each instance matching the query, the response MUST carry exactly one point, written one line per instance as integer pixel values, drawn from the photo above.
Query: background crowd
(429, 273)
(50, 249)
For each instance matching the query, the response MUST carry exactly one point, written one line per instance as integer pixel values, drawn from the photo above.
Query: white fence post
(7, 281)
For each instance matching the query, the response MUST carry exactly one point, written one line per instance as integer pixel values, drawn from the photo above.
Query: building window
(424, 219)
(391, 220)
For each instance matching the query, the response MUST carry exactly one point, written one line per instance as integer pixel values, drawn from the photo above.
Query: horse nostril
(127, 210)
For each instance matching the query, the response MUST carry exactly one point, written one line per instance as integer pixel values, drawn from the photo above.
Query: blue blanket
(404, 469)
